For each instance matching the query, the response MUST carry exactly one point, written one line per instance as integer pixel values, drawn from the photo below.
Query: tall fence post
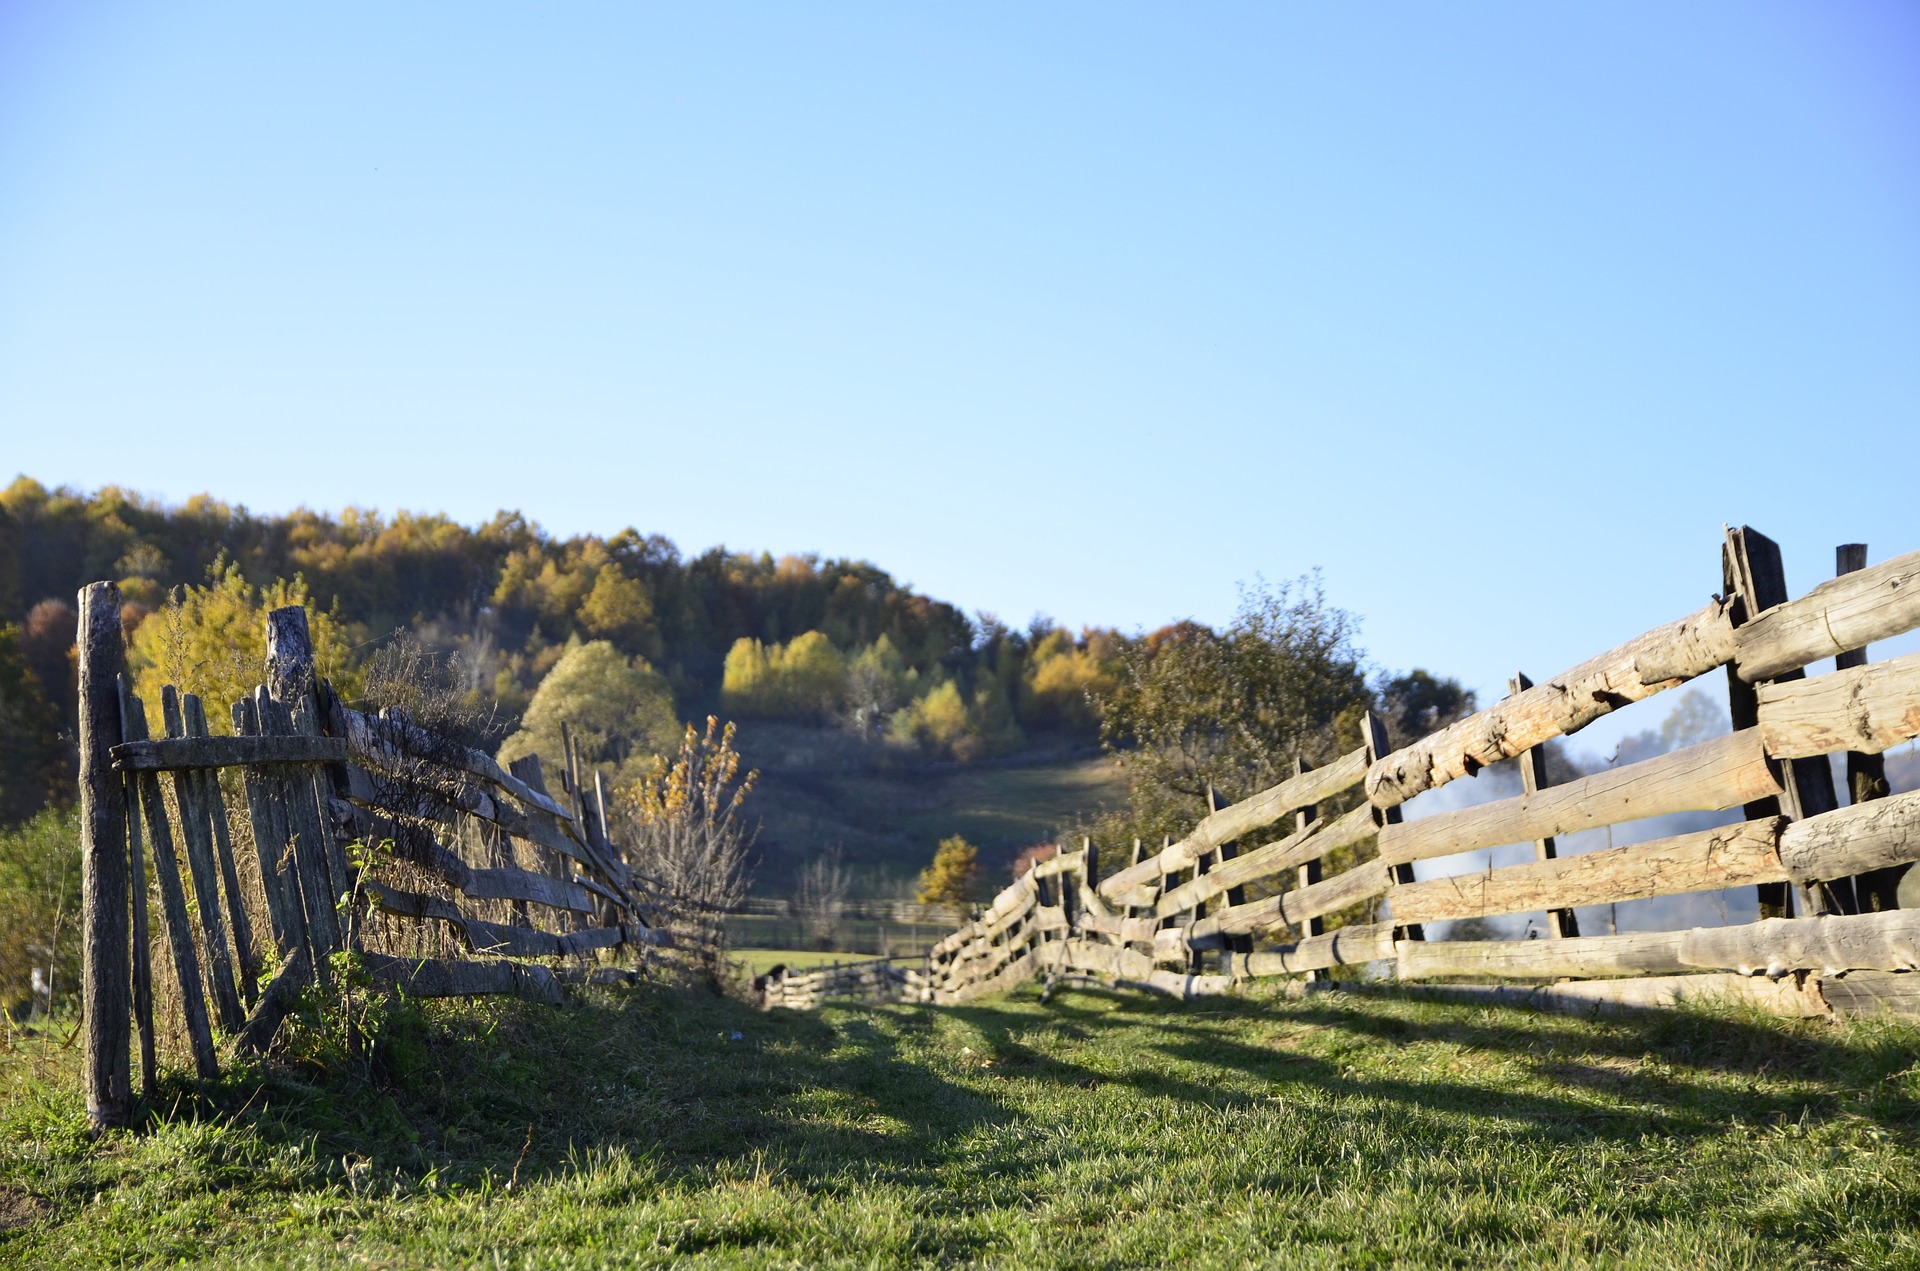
(1878, 890)
(106, 987)
(1751, 569)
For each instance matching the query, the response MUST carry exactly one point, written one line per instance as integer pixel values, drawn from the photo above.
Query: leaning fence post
(106, 990)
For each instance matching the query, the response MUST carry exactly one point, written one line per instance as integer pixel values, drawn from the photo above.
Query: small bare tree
(822, 897)
(682, 827)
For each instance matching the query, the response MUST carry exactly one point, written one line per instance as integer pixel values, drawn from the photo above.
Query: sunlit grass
(1099, 1129)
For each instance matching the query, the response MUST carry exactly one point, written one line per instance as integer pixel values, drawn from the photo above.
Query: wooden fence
(316, 830)
(1243, 896)
(873, 980)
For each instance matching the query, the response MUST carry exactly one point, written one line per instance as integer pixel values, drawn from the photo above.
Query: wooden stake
(1374, 733)
(1866, 774)
(1561, 923)
(105, 991)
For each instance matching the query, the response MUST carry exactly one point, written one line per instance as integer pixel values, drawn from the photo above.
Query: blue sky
(1494, 313)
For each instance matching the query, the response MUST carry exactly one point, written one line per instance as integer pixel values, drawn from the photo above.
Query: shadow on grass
(491, 1091)
(1679, 1072)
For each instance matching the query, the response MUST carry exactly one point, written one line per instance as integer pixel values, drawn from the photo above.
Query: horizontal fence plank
(439, 977)
(1566, 703)
(388, 743)
(416, 844)
(1867, 709)
(1853, 840)
(1787, 997)
(1638, 953)
(1705, 860)
(1292, 909)
(1250, 814)
(1880, 994)
(1710, 777)
(1773, 947)
(1844, 613)
(174, 753)
(1347, 946)
(493, 937)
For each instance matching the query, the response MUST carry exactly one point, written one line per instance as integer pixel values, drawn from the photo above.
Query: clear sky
(1494, 313)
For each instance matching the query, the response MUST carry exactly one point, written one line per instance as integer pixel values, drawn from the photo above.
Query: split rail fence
(333, 832)
(1244, 897)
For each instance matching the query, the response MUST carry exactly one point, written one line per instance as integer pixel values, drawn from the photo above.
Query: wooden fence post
(106, 989)
(1309, 872)
(1755, 581)
(1533, 779)
(1374, 733)
(1877, 890)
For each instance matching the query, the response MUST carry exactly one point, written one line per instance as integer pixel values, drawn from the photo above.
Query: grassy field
(645, 1126)
(887, 821)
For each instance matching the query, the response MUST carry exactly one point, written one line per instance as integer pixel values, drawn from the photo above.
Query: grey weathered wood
(1373, 735)
(272, 847)
(105, 991)
(176, 753)
(1345, 946)
(1714, 775)
(1788, 998)
(1706, 860)
(1239, 819)
(292, 797)
(1828, 945)
(1638, 953)
(387, 743)
(1753, 579)
(173, 907)
(196, 834)
(1645, 665)
(436, 977)
(1873, 994)
(1269, 859)
(1561, 923)
(1866, 709)
(289, 655)
(1853, 840)
(1363, 882)
(142, 932)
(1308, 872)
(1849, 612)
(214, 803)
(313, 787)
(415, 843)
(276, 1003)
(1878, 890)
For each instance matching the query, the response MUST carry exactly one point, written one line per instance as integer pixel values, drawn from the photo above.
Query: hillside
(650, 1127)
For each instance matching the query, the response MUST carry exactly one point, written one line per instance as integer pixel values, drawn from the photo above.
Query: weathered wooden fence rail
(368, 834)
(1243, 895)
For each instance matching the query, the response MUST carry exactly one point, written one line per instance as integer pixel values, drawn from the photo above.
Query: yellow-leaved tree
(953, 876)
(211, 640)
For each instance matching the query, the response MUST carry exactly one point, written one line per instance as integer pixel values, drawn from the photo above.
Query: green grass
(889, 822)
(1098, 1130)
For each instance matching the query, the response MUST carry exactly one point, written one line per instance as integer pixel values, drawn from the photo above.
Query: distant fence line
(1199, 916)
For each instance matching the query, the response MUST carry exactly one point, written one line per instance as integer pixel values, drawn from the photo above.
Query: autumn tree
(953, 876)
(618, 710)
(211, 640)
(1193, 709)
(31, 771)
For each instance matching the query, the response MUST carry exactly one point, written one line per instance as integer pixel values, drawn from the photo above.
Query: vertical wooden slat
(1533, 779)
(105, 989)
(293, 795)
(173, 906)
(197, 836)
(271, 844)
(1374, 733)
(1309, 872)
(1751, 571)
(215, 804)
(142, 939)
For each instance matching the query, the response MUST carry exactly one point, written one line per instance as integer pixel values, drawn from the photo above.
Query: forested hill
(506, 585)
